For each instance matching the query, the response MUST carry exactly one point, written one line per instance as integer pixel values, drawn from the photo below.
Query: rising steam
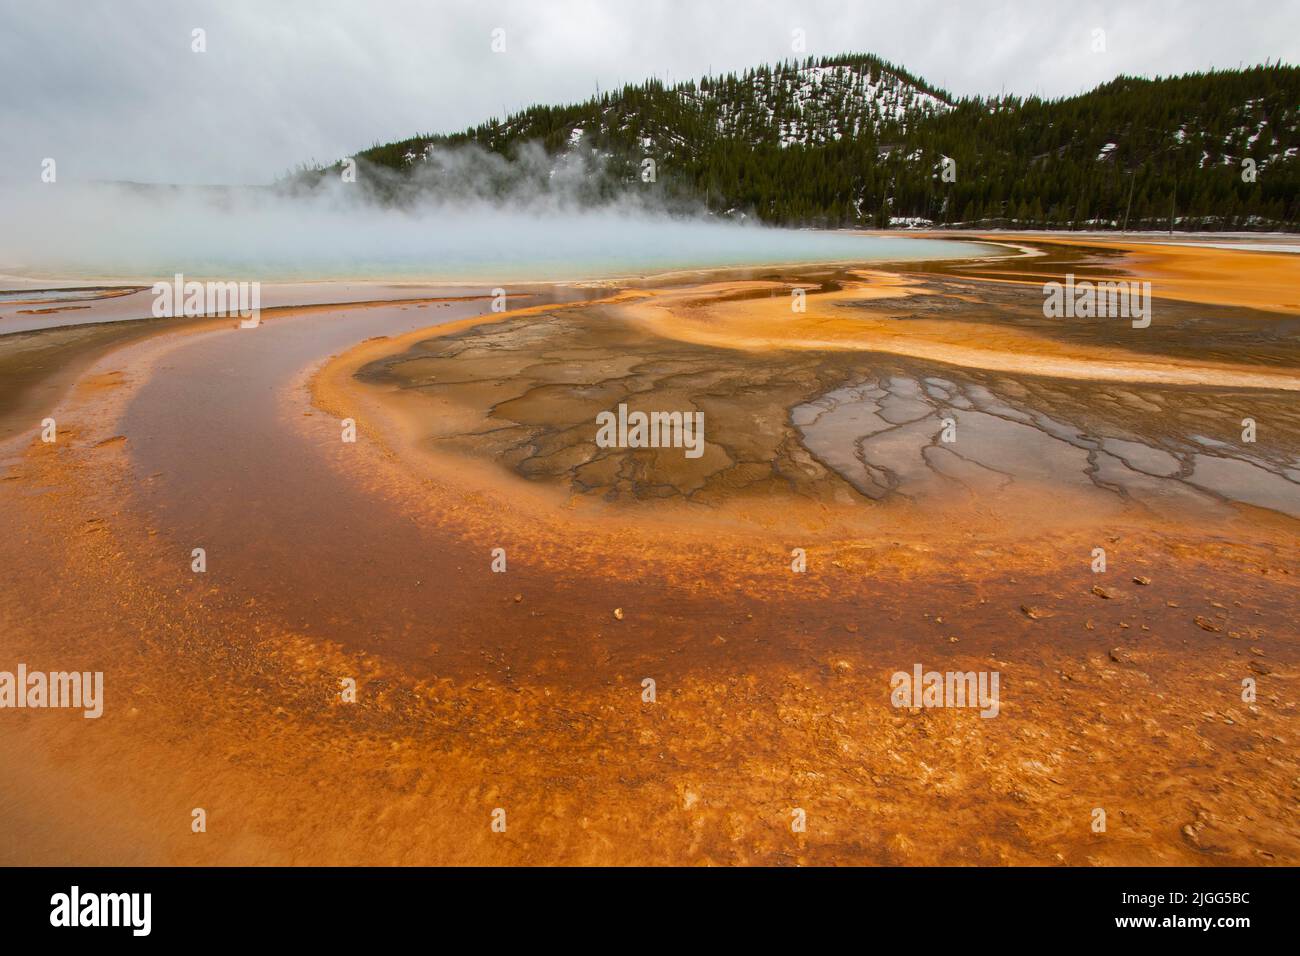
(460, 214)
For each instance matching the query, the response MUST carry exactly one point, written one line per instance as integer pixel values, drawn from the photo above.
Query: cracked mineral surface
(498, 587)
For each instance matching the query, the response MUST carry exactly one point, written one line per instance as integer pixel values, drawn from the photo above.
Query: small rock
(618, 613)
(1205, 625)
(1101, 592)
(1139, 579)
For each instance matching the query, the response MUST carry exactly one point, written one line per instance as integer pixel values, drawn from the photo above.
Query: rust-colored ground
(523, 690)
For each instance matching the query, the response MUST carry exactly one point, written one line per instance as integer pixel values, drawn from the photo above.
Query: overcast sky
(112, 89)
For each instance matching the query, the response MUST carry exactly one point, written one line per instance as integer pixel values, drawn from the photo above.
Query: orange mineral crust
(681, 651)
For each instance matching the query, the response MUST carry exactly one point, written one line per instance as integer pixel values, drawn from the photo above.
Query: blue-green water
(111, 232)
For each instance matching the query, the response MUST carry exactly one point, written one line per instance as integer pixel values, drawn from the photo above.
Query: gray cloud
(112, 89)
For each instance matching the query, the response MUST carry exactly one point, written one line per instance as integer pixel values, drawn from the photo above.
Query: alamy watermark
(75, 908)
(651, 430)
(1101, 300)
(82, 690)
(923, 688)
(193, 298)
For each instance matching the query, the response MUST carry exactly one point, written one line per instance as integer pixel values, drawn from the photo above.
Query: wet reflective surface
(923, 439)
(527, 394)
(477, 688)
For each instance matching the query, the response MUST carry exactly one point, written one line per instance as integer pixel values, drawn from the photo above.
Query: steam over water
(72, 230)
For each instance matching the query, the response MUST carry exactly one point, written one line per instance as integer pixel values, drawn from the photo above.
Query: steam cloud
(462, 214)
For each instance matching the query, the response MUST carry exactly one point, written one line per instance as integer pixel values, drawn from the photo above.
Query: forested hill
(856, 141)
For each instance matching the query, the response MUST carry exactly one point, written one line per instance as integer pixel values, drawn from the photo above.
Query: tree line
(856, 141)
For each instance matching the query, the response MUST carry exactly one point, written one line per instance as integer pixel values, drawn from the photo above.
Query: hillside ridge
(854, 140)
